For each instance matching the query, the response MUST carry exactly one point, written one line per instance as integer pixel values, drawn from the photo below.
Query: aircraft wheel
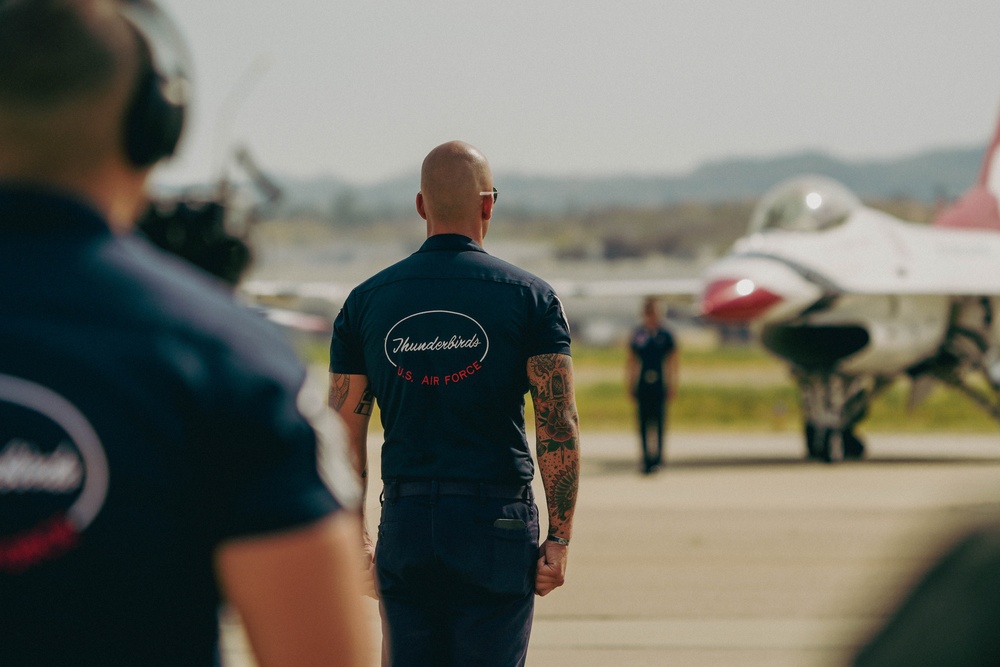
(824, 444)
(814, 446)
(854, 448)
(834, 446)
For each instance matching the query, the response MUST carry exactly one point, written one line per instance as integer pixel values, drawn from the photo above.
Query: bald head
(451, 178)
(67, 70)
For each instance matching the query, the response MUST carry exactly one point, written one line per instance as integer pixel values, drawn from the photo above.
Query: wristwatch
(558, 540)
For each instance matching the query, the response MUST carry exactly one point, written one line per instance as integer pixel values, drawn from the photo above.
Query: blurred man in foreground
(152, 457)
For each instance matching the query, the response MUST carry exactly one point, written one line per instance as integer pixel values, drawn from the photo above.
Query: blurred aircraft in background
(853, 298)
(298, 306)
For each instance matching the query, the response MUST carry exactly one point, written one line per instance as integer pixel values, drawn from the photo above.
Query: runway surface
(739, 552)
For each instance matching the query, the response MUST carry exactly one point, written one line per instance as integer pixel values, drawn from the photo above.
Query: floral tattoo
(557, 432)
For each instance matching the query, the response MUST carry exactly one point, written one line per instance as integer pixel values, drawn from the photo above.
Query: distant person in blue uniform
(651, 374)
(153, 460)
(448, 342)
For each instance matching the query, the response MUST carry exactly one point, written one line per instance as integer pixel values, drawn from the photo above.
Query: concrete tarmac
(739, 552)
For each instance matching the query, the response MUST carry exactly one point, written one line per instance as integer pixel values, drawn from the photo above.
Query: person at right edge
(449, 341)
(651, 376)
(951, 614)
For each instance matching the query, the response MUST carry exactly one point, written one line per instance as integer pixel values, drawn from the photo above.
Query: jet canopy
(804, 204)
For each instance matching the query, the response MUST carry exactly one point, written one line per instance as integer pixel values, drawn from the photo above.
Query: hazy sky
(363, 90)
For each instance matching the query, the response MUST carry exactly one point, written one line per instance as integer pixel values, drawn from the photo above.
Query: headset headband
(155, 118)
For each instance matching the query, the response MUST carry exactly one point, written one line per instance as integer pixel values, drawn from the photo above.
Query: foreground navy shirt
(144, 418)
(444, 337)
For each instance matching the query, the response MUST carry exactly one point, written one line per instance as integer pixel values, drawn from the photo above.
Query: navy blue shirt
(144, 418)
(652, 348)
(444, 337)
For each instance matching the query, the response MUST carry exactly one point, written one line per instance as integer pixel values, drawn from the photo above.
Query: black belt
(435, 488)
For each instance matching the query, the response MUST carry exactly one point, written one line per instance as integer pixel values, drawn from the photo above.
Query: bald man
(152, 455)
(448, 341)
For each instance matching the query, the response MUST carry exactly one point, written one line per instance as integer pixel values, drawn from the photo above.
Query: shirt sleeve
(260, 462)
(346, 351)
(551, 332)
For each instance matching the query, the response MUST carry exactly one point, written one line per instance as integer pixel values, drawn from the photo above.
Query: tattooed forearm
(562, 496)
(557, 432)
(560, 472)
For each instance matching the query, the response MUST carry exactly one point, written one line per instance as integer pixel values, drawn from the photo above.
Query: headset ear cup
(153, 125)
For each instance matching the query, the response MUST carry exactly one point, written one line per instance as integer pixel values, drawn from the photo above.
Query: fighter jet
(853, 299)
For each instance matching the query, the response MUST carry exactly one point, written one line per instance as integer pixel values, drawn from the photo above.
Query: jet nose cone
(736, 300)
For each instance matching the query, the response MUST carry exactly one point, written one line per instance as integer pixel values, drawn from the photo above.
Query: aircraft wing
(273, 291)
(307, 307)
(268, 290)
(296, 320)
(678, 288)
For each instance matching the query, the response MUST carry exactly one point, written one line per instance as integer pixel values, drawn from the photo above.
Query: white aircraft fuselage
(852, 298)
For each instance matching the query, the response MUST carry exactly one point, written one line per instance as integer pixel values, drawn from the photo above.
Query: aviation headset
(155, 117)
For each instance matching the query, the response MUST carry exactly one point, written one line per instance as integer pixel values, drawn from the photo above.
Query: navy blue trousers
(456, 586)
(652, 426)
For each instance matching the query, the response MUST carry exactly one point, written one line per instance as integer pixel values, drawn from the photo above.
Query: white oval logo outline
(48, 403)
(385, 343)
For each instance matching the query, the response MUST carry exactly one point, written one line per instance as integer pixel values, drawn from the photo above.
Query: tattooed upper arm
(550, 377)
(365, 403)
(340, 385)
(340, 392)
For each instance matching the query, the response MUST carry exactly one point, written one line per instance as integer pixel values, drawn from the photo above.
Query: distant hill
(926, 177)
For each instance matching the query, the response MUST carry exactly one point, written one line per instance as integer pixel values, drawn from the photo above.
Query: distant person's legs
(647, 423)
(661, 421)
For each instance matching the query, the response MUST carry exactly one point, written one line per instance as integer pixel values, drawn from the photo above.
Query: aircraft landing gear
(833, 445)
(833, 404)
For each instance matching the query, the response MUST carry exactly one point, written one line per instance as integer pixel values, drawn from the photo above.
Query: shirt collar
(30, 209)
(452, 242)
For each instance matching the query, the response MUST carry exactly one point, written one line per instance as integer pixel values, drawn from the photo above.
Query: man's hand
(551, 571)
(368, 565)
